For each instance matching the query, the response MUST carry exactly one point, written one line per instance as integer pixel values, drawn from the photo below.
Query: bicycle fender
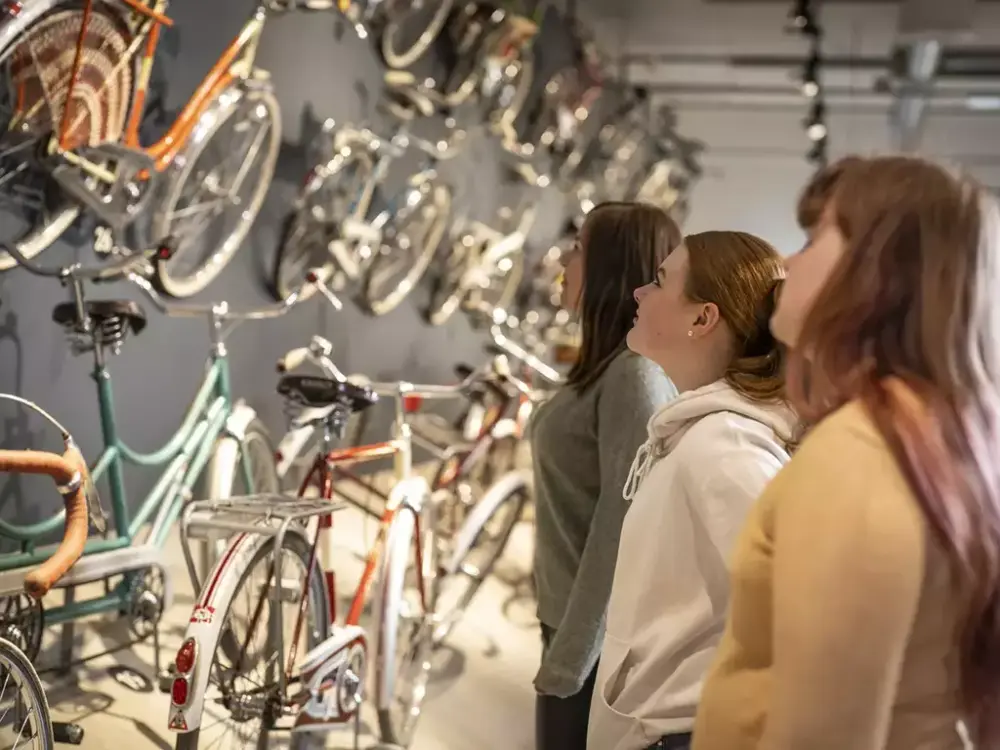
(392, 575)
(497, 493)
(239, 420)
(226, 452)
(206, 622)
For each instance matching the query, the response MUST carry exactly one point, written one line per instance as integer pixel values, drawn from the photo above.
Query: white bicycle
(262, 653)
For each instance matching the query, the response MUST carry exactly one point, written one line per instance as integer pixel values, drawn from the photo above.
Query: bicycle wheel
(34, 212)
(331, 192)
(500, 289)
(447, 292)
(510, 100)
(397, 51)
(243, 678)
(416, 231)
(226, 478)
(404, 631)
(24, 710)
(476, 548)
(215, 197)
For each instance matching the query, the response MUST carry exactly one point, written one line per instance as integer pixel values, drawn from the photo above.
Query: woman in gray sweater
(583, 442)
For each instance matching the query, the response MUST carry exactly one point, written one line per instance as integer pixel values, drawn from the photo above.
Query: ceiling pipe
(907, 115)
(924, 25)
(836, 97)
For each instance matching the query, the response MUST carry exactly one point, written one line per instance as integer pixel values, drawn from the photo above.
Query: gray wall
(316, 76)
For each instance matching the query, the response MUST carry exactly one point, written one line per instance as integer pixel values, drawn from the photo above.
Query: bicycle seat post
(216, 335)
(403, 433)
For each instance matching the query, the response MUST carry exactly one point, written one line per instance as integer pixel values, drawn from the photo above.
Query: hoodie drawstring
(641, 464)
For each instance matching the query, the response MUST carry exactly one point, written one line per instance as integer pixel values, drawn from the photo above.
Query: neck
(694, 369)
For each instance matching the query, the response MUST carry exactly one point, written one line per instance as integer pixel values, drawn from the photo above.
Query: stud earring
(690, 333)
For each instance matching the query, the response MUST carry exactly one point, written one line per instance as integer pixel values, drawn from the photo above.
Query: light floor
(480, 696)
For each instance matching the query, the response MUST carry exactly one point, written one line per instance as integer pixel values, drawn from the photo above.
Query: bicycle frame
(183, 458)
(322, 474)
(235, 63)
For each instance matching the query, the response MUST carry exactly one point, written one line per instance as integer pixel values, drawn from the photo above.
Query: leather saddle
(102, 312)
(310, 390)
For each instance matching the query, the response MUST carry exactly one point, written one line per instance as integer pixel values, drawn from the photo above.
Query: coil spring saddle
(105, 323)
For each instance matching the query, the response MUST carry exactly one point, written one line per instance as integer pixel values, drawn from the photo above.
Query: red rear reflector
(412, 403)
(185, 657)
(179, 691)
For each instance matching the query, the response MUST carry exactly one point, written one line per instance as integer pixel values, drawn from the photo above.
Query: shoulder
(724, 434)
(844, 476)
(630, 374)
(847, 434)
(725, 445)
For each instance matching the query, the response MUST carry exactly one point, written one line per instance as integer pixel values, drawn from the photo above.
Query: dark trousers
(561, 723)
(673, 742)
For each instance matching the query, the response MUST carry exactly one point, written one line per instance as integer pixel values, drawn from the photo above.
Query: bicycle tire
(298, 546)
(303, 236)
(399, 543)
(510, 488)
(63, 213)
(522, 89)
(441, 200)
(18, 666)
(447, 292)
(401, 60)
(256, 434)
(262, 102)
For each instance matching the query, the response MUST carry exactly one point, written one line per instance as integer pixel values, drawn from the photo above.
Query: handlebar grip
(68, 471)
(293, 360)
(38, 582)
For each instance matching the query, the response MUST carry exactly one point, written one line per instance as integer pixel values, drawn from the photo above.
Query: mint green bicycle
(220, 444)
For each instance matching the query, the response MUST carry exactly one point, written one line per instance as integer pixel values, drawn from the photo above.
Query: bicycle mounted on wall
(80, 73)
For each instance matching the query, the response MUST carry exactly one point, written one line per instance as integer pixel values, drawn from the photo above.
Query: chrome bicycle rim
(254, 122)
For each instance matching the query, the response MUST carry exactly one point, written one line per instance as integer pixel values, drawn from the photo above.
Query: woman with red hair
(865, 609)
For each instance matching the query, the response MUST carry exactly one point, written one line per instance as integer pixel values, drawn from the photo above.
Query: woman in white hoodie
(708, 455)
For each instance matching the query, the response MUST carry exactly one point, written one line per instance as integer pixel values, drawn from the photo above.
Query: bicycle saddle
(310, 390)
(101, 313)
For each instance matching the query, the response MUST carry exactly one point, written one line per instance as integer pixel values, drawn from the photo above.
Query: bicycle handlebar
(319, 350)
(221, 309)
(397, 145)
(522, 355)
(102, 272)
(69, 471)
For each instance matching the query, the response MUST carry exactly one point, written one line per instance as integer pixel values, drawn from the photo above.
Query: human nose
(639, 293)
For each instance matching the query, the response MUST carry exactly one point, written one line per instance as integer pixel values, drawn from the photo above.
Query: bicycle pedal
(67, 734)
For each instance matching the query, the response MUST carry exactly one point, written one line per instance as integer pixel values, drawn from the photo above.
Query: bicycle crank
(333, 673)
(146, 603)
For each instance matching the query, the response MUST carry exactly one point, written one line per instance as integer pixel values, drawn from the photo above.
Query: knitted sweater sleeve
(630, 392)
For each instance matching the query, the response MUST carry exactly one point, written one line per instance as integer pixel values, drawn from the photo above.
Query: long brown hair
(740, 274)
(623, 244)
(913, 301)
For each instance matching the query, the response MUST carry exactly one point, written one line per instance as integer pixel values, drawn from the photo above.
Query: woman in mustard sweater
(865, 609)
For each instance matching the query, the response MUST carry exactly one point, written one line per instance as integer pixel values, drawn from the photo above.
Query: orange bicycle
(74, 75)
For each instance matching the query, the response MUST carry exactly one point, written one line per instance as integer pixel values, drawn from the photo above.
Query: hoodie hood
(668, 425)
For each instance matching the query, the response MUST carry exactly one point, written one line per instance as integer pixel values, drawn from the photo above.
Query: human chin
(633, 339)
(783, 325)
